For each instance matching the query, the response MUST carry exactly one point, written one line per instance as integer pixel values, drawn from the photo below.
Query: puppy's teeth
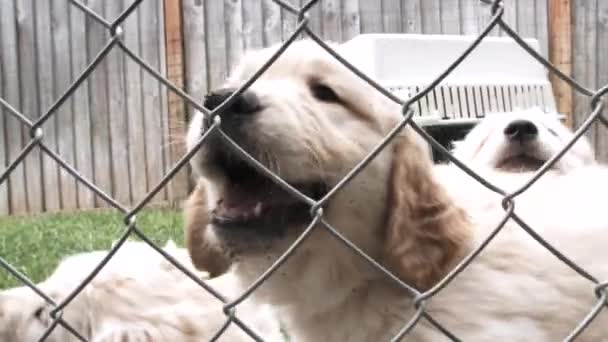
(257, 211)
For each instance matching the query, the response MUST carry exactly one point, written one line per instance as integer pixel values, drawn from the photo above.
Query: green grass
(36, 244)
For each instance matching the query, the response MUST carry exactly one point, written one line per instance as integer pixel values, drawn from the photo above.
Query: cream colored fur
(416, 220)
(138, 296)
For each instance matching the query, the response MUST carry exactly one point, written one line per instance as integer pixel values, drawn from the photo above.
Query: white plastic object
(498, 75)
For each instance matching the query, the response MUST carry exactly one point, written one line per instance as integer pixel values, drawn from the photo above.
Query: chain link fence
(37, 141)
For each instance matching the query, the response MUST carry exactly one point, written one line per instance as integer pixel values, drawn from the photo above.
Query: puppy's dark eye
(38, 313)
(324, 93)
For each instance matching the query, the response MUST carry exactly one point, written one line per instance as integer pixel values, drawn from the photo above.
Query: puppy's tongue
(248, 200)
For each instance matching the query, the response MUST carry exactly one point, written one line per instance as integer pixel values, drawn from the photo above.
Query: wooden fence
(113, 129)
(590, 61)
(121, 128)
(217, 32)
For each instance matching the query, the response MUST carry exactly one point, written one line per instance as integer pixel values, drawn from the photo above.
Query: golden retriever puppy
(138, 296)
(522, 141)
(310, 120)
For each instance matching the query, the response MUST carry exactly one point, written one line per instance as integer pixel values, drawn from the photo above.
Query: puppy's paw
(126, 334)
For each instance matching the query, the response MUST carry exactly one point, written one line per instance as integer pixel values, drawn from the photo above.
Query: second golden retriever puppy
(138, 296)
(521, 141)
(310, 120)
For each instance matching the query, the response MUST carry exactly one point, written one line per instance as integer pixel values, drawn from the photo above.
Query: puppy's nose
(522, 130)
(244, 104)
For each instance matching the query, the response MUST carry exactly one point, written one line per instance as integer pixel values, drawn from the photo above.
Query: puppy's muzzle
(521, 131)
(237, 121)
(241, 109)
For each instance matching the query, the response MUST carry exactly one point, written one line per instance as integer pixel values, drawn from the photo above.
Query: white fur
(513, 291)
(486, 144)
(138, 296)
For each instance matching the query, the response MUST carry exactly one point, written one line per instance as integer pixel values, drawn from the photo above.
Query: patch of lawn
(35, 244)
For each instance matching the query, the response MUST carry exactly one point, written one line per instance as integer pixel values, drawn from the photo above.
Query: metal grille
(37, 141)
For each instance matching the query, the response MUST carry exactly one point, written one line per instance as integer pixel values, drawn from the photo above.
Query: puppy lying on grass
(138, 296)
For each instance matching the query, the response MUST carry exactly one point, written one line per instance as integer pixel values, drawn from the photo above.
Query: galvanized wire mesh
(37, 140)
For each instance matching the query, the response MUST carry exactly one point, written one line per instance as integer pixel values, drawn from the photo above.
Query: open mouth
(251, 200)
(520, 163)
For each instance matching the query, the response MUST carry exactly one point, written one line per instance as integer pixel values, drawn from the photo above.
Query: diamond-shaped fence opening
(37, 141)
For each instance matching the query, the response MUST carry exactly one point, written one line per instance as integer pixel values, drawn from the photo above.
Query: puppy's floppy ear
(204, 255)
(426, 232)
